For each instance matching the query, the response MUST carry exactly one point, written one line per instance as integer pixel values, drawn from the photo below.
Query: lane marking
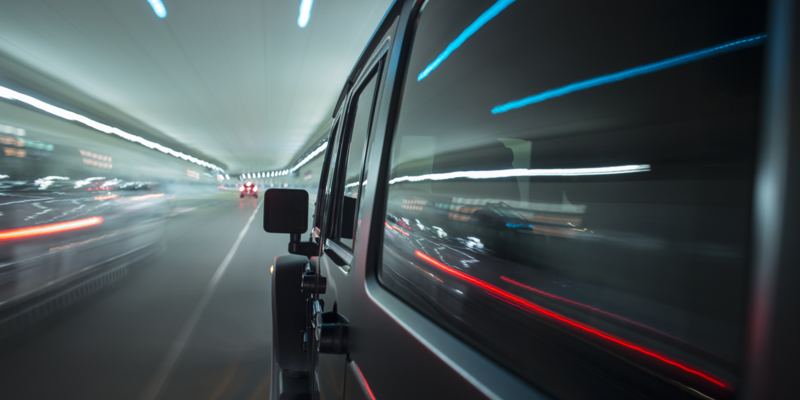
(165, 369)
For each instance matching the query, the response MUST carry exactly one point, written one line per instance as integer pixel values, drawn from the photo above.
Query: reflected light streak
(397, 229)
(471, 29)
(522, 172)
(147, 196)
(366, 385)
(310, 157)
(630, 73)
(49, 229)
(543, 293)
(528, 306)
(109, 197)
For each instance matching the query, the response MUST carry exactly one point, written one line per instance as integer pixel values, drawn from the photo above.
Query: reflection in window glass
(360, 127)
(332, 152)
(570, 188)
(327, 171)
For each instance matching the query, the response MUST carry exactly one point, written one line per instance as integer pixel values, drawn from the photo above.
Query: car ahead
(248, 189)
(568, 200)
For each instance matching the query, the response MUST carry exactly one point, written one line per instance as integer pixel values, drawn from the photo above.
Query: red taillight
(255, 188)
(241, 189)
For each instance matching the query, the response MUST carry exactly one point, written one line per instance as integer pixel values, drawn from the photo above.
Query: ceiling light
(71, 116)
(310, 157)
(305, 13)
(158, 7)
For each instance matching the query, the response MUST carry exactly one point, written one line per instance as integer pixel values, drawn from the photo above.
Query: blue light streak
(482, 20)
(630, 73)
(158, 8)
(305, 13)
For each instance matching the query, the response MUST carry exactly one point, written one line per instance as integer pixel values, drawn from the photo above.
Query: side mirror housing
(286, 211)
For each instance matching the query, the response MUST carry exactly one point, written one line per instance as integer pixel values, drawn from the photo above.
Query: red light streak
(528, 306)
(49, 229)
(397, 229)
(109, 197)
(366, 385)
(543, 293)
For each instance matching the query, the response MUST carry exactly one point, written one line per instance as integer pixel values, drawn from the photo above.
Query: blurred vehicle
(529, 200)
(74, 214)
(248, 189)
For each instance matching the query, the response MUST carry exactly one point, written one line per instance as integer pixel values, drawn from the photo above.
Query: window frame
(320, 211)
(373, 70)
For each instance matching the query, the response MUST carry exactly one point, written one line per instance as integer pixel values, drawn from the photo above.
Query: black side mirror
(286, 211)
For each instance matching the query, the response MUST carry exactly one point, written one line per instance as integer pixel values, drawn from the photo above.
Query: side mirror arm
(296, 246)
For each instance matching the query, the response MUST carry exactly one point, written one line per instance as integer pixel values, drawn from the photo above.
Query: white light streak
(310, 157)
(521, 172)
(305, 13)
(158, 8)
(45, 182)
(87, 181)
(71, 116)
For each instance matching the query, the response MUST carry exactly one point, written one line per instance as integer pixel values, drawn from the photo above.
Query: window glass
(361, 116)
(333, 152)
(325, 176)
(570, 188)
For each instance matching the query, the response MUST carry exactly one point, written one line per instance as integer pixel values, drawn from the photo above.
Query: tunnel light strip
(471, 29)
(158, 8)
(21, 233)
(71, 116)
(305, 13)
(310, 157)
(534, 308)
(521, 172)
(630, 73)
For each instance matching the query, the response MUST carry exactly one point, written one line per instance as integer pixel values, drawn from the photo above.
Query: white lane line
(165, 369)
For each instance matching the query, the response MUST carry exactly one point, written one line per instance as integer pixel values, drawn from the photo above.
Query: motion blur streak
(543, 293)
(158, 8)
(397, 229)
(522, 172)
(71, 116)
(310, 157)
(21, 233)
(630, 73)
(531, 307)
(471, 29)
(366, 385)
(147, 196)
(109, 197)
(305, 13)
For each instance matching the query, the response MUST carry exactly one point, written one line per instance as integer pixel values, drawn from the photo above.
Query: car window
(570, 188)
(325, 177)
(327, 204)
(361, 117)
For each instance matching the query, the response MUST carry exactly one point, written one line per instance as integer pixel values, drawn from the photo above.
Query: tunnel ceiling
(237, 80)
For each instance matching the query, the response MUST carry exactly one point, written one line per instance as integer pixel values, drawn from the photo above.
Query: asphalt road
(192, 322)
